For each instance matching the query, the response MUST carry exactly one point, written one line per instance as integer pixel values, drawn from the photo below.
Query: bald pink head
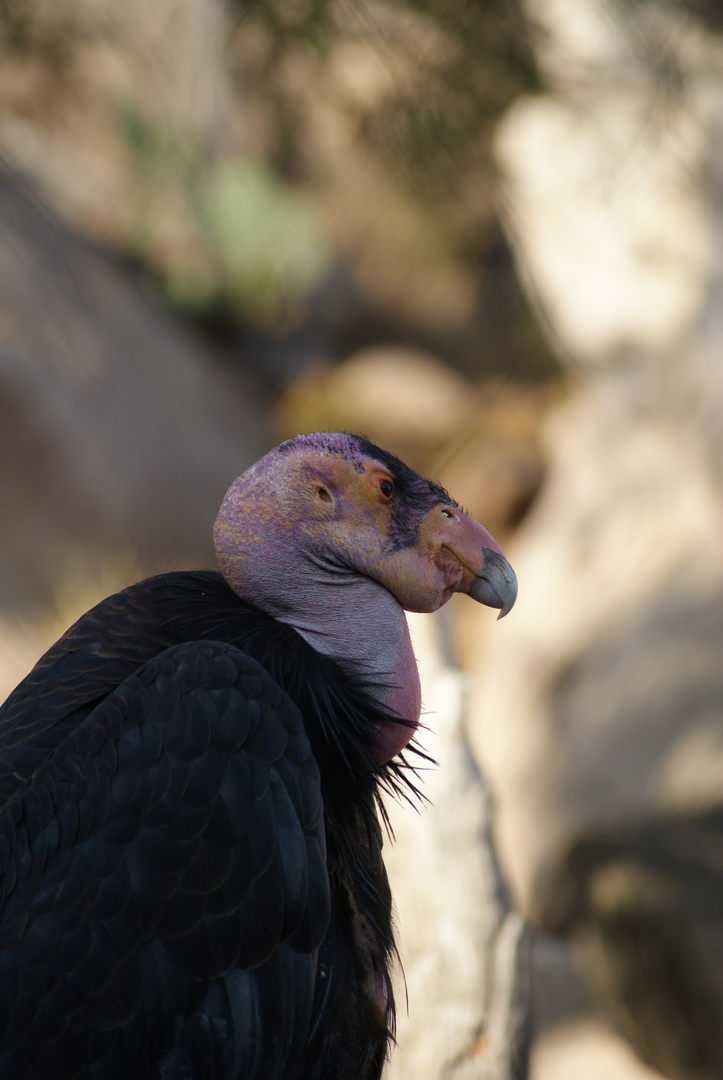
(335, 536)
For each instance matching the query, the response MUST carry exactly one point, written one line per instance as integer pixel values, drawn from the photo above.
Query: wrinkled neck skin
(344, 615)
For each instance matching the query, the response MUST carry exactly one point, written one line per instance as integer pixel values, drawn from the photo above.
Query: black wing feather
(154, 851)
(169, 809)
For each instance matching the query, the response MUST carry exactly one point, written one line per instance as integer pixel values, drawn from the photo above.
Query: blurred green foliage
(252, 245)
(236, 151)
(265, 240)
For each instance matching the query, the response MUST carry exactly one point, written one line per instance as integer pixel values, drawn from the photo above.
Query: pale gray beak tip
(496, 586)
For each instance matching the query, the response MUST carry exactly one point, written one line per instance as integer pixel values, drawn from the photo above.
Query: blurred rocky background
(488, 234)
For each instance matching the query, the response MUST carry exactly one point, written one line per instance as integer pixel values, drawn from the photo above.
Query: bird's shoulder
(103, 648)
(175, 836)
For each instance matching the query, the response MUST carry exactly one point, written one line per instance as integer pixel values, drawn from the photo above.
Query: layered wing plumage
(163, 882)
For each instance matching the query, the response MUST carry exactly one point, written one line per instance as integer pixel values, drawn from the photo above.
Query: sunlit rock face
(597, 708)
(603, 191)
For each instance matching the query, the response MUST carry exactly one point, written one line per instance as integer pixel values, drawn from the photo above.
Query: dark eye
(386, 487)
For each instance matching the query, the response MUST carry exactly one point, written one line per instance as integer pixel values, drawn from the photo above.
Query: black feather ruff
(349, 1034)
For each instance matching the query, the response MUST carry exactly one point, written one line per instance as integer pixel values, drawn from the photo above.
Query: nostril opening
(324, 495)
(447, 513)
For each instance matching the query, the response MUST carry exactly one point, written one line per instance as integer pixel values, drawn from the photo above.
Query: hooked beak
(496, 586)
(488, 577)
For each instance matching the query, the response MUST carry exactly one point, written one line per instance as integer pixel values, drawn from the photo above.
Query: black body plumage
(191, 877)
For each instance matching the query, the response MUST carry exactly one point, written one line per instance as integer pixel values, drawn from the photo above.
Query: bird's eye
(386, 487)
(323, 494)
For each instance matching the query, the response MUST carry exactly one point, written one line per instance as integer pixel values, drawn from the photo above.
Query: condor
(191, 877)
